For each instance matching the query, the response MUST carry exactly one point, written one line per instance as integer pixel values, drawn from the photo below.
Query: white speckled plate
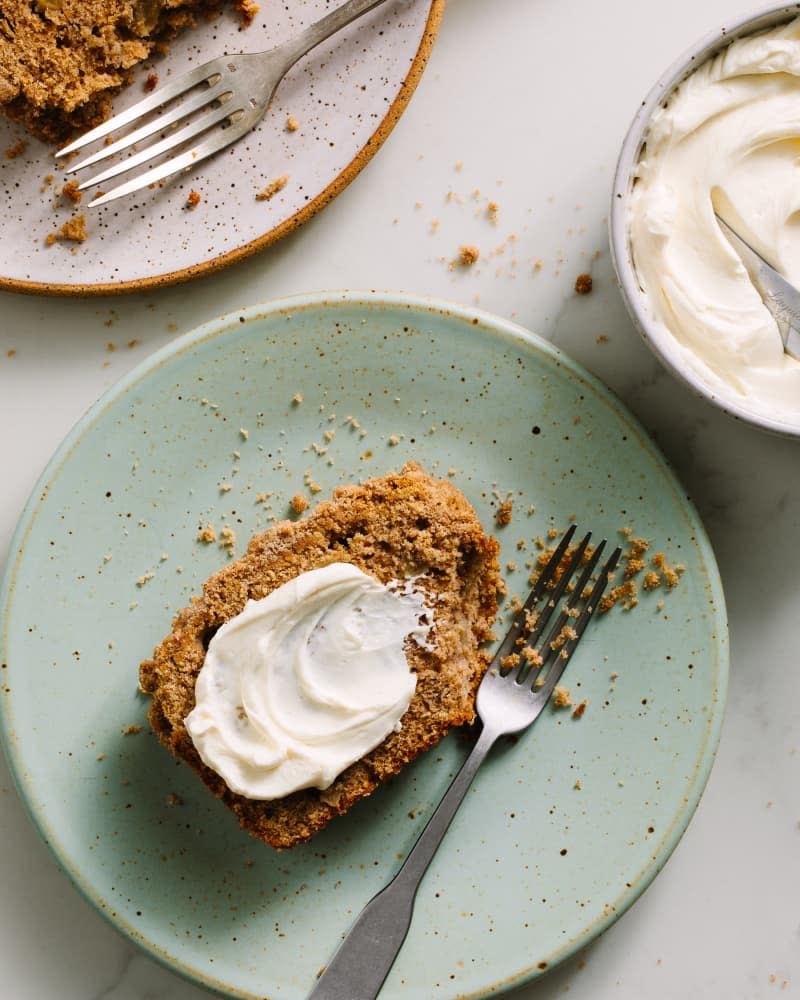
(563, 828)
(346, 97)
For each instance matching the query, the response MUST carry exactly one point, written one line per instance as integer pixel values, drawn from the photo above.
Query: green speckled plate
(562, 829)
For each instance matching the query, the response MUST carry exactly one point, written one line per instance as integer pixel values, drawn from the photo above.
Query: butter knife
(781, 298)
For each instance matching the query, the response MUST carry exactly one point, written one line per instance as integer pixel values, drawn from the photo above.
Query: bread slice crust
(397, 526)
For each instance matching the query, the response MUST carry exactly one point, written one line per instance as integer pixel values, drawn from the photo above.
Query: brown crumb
(298, 503)
(131, 730)
(292, 124)
(583, 284)
(151, 82)
(73, 231)
(626, 595)
(504, 511)
(561, 698)
(71, 193)
(16, 150)
(671, 574)
(207, 534)
(634, 556)
(63, 61)
(227, 539)
(468, 255)
(579, 709)
(273, 188)
(193, 199)
(248, 9)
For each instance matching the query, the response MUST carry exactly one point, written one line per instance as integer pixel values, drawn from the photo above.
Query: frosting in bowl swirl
(727, 139)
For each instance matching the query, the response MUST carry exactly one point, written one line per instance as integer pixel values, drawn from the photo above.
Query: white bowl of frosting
(720, 131)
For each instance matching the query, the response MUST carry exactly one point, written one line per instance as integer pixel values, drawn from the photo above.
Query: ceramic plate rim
(490, 325)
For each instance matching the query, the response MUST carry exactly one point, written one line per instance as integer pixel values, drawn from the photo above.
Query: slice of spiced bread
(400, 526)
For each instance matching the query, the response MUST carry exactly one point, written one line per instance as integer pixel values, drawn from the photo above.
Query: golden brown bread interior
(61, 61)
(392, 527)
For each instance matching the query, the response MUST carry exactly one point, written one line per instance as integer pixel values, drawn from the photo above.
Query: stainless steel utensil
(515, 689)
(781, 298)
(218, 103)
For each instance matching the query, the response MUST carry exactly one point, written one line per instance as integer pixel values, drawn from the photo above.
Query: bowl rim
(663, 344)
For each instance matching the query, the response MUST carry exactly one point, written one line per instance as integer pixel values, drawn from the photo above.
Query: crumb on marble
(468, 254)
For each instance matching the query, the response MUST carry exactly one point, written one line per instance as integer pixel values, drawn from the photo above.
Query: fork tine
(521, 625)
(182, 162)
(183, 110)
(558, 592)
(200, 74)
(558, 667)
(534, 596)
(165, 145)
(569, 609)
(219, 140)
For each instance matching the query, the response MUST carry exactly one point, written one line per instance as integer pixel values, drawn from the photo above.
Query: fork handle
(362, 962)
(325, 27)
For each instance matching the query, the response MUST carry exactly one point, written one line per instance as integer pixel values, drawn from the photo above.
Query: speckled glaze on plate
(346, 96)
(563, 828)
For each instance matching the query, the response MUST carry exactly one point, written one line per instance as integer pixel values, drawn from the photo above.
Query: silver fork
(227, 96)
(510, 697)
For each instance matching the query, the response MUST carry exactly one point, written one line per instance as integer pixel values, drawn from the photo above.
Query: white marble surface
(527, 103)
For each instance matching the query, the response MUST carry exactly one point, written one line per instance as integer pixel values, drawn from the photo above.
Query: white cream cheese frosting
(727, 140)
(306, 680)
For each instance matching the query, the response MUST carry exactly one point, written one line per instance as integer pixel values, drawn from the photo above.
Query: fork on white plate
(201, 112)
